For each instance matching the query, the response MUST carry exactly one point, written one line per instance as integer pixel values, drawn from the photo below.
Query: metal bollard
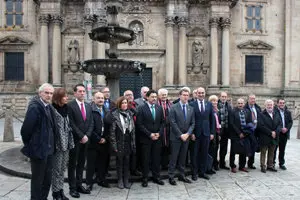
(8, 135)
(298, 130)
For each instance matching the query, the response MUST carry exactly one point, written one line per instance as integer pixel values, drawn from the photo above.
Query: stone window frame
(14, 44)
(14, 13)
(263, 4)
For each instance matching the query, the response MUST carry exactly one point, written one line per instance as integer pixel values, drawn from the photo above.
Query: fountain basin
(115, 34)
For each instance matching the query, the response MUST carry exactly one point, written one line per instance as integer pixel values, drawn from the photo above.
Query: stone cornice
(255, 44)
(14, 42)
(231, 3)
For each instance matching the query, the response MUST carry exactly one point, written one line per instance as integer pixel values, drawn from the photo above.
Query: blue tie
(202, 108)
(183, 110)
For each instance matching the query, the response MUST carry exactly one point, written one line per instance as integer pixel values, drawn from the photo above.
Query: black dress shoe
(211, 172)
(263, 170)
(145, 183)
(251, 167)
(224, 167)
(216, 168)
(82, 190)
(172, 181)
(89, 187)
(194, 177)
(282, 167)
(158, 181)
(204, 176)
(74, 194)
(104, 184)
(184, 179)
(272, 169)
(136, 173)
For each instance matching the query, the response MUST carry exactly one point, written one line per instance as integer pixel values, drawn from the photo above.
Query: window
(14, 66)
(254, 18)
(254, 69)
(14, 13)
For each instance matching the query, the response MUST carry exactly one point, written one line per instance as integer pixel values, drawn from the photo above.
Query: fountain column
(44, 64)
(56, 51)
(213, 51)
(88, 43)
(182, 22)
(225, 52)
(169, 51)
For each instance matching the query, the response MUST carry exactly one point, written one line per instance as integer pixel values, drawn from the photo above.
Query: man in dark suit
(239, 119)
(204, 132)
(98, 148)
(255, 111)
(82, 124)
(150, 124)
(182, 120)
(140, 101)
(284, 135)
(38, 134)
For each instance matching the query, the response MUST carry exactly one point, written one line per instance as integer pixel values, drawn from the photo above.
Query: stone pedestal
(8, 135)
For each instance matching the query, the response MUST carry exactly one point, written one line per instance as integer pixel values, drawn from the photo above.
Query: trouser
(76, 165)
(123, 167)
(270, 157)
(242, 160)
(151, 155)
(165, 152)
(41, 174)
(96, 159)
(178, 157)
(282, 144)
(60, 161)
(213, 150)
(200, 154)
(223, 147)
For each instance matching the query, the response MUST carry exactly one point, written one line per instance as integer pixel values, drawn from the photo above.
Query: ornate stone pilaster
(182, 23)
(169, 23)
(225, 24)
(213, 22)
(44, 70)
(56, 50)
(88, 43)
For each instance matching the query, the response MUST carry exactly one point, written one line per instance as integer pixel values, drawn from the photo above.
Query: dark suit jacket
(204, 122)
(269, 125)
(235, 122)
(147, 125)
(78, 125)
(178, 124)
(288, 120)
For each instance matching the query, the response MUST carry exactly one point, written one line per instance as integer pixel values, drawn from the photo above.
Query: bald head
(201, 93)
(98, 99)
(240, 103)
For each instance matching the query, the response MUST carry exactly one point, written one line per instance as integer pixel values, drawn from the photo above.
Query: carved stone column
(213, 22)
(56, 50)
(101, 51)
(88, 43)
(169, 22)
(225, 24)
(182, 22)
(44, 64)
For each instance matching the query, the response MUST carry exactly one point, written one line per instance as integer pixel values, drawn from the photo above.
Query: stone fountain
(112, 34)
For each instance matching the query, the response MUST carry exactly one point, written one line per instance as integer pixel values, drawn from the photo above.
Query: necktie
(82, 112)
(101, 112)
(164, 108)
(107, 104)
(183, 110)
(201, 105)
(153, 111)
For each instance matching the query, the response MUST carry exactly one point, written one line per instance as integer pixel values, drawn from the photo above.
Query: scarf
(223, 114)
(62, 110)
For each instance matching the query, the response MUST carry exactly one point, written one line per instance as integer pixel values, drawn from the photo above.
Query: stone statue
(73, 51)
(139, 34)
(197, 53)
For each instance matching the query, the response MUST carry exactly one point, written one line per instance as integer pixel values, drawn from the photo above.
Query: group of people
(146, 134)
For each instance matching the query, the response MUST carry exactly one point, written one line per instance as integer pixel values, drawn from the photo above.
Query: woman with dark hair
(64, 142)
(122, 137)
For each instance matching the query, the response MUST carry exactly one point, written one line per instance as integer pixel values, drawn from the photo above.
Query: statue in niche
(197, 54)
(138, 30)
(73, 51)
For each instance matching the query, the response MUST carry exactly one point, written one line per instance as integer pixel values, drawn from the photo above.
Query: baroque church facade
(240, 46)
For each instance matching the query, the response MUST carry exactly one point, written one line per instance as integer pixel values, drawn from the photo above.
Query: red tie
(82, 112)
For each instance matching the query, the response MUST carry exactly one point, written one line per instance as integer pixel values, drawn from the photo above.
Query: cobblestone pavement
(223, 185)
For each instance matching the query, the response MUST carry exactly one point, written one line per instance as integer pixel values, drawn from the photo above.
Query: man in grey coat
(182, 121)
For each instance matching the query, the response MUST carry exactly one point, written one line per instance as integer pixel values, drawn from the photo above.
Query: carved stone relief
(138, 30)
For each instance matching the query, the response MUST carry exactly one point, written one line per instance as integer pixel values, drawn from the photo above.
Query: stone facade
(185, 42)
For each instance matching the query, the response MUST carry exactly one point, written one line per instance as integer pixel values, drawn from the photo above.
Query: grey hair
(45, 85)
(144, 87)
(186, 88)
(162, 90)
(269, 101)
